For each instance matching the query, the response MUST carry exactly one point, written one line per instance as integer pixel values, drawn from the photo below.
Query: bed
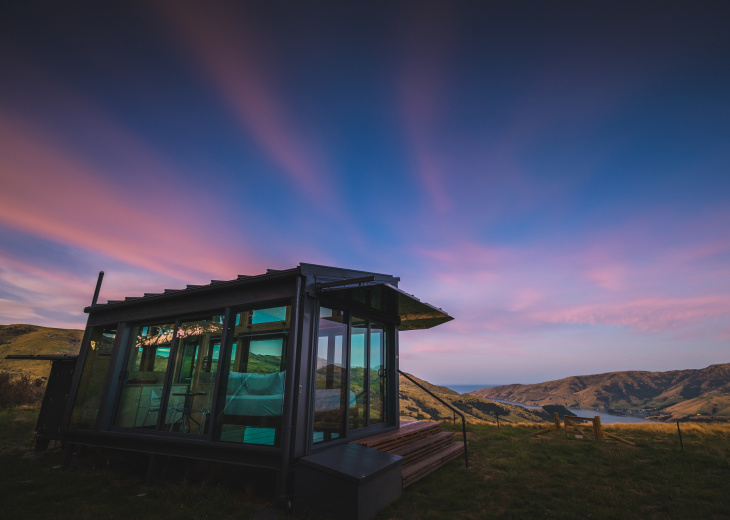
(255, 395)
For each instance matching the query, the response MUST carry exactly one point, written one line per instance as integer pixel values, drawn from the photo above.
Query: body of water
(462, 389)
(606, 418)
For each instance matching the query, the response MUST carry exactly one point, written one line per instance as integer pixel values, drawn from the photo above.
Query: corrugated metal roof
(270, 273)
(413, 313)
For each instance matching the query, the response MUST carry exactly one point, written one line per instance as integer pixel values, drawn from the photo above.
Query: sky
(554, 175)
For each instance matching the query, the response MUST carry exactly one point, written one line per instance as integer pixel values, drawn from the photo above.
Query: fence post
(680, 436)
(556, 417)
(597, 431)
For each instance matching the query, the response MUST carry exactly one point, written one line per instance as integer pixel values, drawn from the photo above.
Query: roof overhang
(413, 314)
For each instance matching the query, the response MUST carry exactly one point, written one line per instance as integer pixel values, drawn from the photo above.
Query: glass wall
(169, 381)
(254, 383)
(93, 376)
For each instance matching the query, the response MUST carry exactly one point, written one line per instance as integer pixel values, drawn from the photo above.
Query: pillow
(235, 382)
(265, 384)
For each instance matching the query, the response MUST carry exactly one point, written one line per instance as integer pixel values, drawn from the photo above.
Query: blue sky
(552, 174)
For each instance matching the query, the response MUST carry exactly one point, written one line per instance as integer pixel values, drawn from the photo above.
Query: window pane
(377, 373)
(271, 315)
(149, 353)
(358, 365)
(330, 402)
(93, 376)
(254, 399)
(193, 376)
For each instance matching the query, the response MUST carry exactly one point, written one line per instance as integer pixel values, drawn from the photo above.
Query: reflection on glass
(377, 373)
(254, 398)
(93, 375)
(330, 402)
(144, 376)
(193, 376)
(358, 365)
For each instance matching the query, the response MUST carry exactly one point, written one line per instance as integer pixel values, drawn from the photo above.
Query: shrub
(16, 391)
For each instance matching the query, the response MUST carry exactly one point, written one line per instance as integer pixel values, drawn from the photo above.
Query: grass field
(513, 475)
(516, 475)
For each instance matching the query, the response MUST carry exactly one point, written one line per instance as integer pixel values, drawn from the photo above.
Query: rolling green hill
(32, 339)
(417, 404)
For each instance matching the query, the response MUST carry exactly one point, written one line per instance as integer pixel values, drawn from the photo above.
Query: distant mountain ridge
(673, 395)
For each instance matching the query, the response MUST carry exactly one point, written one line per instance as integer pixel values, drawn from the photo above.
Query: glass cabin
(259, 371)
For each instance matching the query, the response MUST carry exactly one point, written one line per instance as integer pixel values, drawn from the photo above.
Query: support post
(151, 470)
(680, 436)
(66, 464)
(597, 430)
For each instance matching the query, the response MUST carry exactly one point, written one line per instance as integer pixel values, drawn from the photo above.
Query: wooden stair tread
(404, 435)
(423, 446)
(425, 466)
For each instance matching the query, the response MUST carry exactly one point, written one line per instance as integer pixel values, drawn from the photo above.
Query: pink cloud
(64, 198)
(653, 315)
(32, 290)
(627, 276)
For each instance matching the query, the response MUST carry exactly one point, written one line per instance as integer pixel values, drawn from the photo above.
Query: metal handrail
(452, 408)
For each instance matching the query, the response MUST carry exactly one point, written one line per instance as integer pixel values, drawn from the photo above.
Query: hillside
(674, 395)
(417, 404)
(32, 339)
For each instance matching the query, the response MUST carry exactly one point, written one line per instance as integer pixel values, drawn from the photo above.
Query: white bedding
(254, 405)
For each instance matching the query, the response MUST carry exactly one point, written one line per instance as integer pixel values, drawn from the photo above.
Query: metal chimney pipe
(98, 288)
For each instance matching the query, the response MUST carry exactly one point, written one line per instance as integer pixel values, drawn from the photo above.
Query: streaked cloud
(74, 202)
(422, 94)
(655, 315)
(621, 277)
(557, 187)
(236, 57)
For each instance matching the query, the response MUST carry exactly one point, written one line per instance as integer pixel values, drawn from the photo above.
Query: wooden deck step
(415, 472)
(422, 444)
(404, 435)
(423, 447)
